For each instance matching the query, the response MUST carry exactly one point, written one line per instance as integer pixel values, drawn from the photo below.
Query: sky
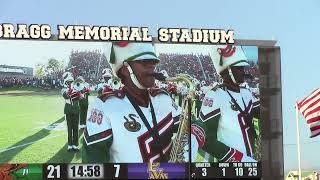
(35, 52)
(293, 23)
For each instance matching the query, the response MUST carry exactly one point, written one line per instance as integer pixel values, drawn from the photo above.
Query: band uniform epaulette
(156, 91)
(113, 93)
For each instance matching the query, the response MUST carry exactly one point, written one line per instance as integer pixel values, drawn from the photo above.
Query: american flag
(310, 109)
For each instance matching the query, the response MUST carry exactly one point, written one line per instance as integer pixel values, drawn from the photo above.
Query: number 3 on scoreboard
(54, 171)
(204, 172)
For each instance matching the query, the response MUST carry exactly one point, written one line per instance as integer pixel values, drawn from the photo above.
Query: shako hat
(226, 56)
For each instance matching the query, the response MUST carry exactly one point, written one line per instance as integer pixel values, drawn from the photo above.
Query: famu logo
(155, 172)
(133, 125)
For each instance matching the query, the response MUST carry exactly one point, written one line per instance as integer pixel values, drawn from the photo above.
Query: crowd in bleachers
(90, 64)
(198, 66)
(86, 64)
(46, 83)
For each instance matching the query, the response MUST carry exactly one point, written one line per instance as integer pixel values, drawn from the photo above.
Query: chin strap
(133, 77)
(231, 76)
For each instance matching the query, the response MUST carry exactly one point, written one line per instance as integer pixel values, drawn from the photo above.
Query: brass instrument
(116, 82)
(76, 84)
(182, 137)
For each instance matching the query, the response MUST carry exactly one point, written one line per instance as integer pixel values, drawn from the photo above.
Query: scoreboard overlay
(130, 171)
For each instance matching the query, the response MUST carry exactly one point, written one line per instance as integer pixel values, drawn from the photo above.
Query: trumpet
(182, 138)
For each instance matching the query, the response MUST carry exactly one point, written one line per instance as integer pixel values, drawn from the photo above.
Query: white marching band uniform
(130, 147)
(235, 129)
(114, 119)
(232, 128)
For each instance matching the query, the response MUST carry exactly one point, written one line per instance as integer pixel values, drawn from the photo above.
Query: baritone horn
(182, 137)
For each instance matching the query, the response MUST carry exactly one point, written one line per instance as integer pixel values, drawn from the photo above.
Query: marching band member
(71, 110)
(134, 124)
(83, 87)
(226, 129)
(106, 83)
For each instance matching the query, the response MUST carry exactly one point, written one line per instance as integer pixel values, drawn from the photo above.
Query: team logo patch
(155, 172)
(133, 125)
(96, 116)
(233, 105)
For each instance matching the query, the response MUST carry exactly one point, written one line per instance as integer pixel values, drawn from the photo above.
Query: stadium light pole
(204, 74)
(99, 65)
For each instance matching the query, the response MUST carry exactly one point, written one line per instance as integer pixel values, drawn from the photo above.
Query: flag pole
(298, 140)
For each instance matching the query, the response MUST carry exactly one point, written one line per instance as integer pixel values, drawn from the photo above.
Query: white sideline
(14, 147)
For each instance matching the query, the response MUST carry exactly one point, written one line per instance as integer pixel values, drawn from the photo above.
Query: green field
(33, 129)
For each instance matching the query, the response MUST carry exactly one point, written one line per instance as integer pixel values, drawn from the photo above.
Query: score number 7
(117, 166)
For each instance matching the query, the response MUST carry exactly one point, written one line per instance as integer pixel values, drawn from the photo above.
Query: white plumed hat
(226, 56)
(124, 52)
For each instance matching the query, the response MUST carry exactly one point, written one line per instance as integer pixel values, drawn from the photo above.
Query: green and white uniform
(116, 133)
(71, 111)
(223, 130)
(83, 102)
